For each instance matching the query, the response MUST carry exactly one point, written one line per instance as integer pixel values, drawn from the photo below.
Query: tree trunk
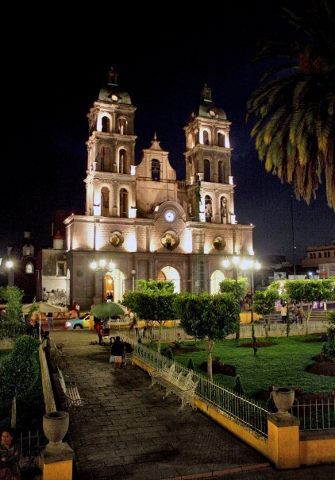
(308, 316)
(210, 345)
(13, 416)
(159, 338)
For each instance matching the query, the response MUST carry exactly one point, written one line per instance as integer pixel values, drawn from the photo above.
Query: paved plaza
(127, 431)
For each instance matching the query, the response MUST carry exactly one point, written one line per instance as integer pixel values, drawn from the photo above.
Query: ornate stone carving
(170, 240)
(116, 239)
(219, 243)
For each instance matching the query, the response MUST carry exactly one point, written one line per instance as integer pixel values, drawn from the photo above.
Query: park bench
(70, 390)
(182, 385)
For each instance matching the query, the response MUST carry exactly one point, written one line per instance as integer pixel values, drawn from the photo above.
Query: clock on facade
(169, 215)
(212, 113)
(115, 98)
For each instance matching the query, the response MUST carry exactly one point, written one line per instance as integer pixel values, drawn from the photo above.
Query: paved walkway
(126, 431)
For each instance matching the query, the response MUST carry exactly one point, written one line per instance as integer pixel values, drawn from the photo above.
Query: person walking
(50, 320)
(283, 312)
(118, 351)
(98, 329)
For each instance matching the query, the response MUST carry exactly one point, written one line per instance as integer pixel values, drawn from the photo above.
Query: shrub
(328, 348)
(238, 388)
(190, 364)
(168, 353)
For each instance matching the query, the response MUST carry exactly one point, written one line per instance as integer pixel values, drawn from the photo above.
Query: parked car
(84, 321)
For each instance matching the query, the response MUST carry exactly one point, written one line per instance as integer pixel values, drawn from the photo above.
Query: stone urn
(283, 399)
(55, 427)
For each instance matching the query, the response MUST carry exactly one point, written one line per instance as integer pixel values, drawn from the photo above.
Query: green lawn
(281, 365)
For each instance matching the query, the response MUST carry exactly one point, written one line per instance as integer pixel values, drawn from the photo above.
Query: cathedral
(141, 222)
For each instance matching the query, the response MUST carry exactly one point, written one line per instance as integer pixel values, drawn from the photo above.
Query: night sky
(53, 76)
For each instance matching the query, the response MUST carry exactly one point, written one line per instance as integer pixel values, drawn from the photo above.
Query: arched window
(123, 126)
(220, 172)
(105, 155)
(216, 278)
(105, 124)
(105, 202)
(223, 210)
(29, 268)
(221, 140)
(207, 172)
(123, 203)
(208, 208)
(123, 161)
(155, 170)
(205, 136)
(170, 274)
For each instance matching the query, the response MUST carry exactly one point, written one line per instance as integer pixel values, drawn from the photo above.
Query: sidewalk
(127, 431)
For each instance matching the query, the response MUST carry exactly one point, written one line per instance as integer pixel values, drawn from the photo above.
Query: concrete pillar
(283, 440)
(57, 466)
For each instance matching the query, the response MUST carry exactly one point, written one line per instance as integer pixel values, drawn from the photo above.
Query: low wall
(49, 399)
(286, 447)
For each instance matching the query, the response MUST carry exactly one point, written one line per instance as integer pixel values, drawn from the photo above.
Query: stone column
(283, 440)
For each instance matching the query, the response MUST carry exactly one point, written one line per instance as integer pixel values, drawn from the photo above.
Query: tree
(238, 288)
(264, 303)
(310, 291)
(153, 301)
(18, 372)
(208, 317)
(294, 105)
(11, 327)
(13, 296)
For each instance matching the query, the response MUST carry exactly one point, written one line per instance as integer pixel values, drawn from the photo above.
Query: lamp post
(102, 266)
(235, 263)
(10, 272)
(133, 273)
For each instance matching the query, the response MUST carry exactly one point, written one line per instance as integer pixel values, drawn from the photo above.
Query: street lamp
(133, 273)
(9, 264)
(235, 263)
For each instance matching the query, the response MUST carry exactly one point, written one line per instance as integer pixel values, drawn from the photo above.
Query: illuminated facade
(140, 217)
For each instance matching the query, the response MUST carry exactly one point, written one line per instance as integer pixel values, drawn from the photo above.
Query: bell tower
(208, 163)
(110, 179)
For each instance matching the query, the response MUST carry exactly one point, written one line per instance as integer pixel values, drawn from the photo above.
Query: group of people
(297, 312)
(9, 456)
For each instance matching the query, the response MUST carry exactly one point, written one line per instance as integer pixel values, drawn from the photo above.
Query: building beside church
(141, 222)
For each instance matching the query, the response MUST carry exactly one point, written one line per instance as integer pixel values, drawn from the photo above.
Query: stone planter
(283, 399)
(55, 427)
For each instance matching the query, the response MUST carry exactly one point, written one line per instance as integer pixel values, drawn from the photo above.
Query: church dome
(207, 108)
(111, 92)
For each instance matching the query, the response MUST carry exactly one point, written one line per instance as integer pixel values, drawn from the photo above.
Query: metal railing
(249, 413)
(30, 447)
(319, 415)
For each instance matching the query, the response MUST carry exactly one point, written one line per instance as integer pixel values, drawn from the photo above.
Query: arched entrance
(216, 277)
(113, 285)
(170, 273)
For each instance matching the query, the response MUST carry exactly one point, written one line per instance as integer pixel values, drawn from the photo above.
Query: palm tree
(294, 105)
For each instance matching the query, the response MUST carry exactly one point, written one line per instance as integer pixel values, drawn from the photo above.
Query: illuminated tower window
(207, 176)
(155, 170)
(220, 171)
(123, 203)
(29, 268)
(105, 202)
(105, 124)
(221, 140)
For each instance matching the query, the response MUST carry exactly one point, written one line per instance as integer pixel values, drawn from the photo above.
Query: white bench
(70, 390)
(183, 386)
